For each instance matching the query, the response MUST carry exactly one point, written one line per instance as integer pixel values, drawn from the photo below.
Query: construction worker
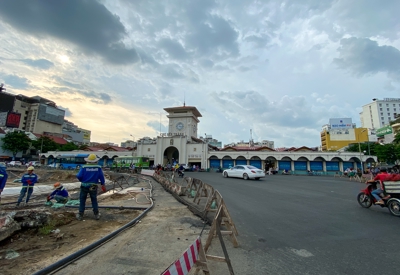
(28, 181)
(3, 177)
(60, 194)
(90, 175)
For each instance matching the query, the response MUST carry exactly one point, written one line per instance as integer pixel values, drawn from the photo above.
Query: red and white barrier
(183, 265)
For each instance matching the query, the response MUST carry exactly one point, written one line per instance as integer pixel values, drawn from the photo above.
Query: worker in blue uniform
(28, 181)
(3, 177)
(90, 175)
(60, 194)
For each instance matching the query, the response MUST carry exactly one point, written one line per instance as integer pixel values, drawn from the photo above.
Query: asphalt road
(307, 225)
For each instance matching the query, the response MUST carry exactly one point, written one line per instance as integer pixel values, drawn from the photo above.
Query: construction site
(37, 238)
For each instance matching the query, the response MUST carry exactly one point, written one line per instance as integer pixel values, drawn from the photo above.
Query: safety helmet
(31, 168)
(57, 185)
(92, 158)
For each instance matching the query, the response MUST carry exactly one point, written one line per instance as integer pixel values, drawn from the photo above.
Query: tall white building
(379, 112)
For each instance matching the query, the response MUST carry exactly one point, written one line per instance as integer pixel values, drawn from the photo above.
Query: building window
(148, 149)
(380, 104)
(394, 109)
(389, 118)
(394, 105)
(387, 109)
(387, 105)
(381, 114)
(382, 118)
(388, 114)
(380, 109)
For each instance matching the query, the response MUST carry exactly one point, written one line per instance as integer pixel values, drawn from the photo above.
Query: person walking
(90, 176)
(3, 177)
(60, 194)
(28, 181)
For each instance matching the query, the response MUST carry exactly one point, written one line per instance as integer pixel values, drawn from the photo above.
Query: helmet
(57, 185)
(92, 158)
(31, 168)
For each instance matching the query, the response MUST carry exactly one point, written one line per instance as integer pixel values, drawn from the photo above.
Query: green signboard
(384, 131)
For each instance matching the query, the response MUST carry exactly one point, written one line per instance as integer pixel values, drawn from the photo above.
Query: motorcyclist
(381, 177)
(180, 170)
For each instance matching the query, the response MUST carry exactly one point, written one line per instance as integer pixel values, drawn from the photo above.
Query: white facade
(379, 113)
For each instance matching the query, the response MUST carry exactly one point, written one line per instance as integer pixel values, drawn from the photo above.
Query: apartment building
(341, 132)
(379, 112)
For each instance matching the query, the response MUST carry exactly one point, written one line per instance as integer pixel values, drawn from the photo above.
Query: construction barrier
(222, 223)
(189, 258)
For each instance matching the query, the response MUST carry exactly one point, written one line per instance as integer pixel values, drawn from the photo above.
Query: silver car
(244, 171)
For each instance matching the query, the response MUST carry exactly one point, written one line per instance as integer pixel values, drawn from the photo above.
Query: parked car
(244, 171)
(33, 163)
(15, 163)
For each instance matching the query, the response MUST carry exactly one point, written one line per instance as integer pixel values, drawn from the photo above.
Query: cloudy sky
(279, 67)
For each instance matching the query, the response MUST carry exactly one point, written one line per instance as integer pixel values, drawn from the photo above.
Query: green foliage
(15, 142)
(47, 228)
(70, 146)
(45, 144)
(389, 153)
(396, 139)
(83, 147)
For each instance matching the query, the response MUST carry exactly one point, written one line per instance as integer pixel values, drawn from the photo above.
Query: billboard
(13, 120)
(51, 114)
(3, 118)
(386, 130)
(341, 123)
(6, 102)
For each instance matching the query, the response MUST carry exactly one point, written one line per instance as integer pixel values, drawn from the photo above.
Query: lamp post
(359, 149)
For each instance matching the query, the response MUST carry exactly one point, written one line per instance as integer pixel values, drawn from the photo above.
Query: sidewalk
(147, 248)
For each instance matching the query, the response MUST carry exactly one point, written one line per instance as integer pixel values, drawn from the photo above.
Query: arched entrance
(171, 155)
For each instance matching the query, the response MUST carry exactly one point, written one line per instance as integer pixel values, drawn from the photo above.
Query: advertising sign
(13, 120)
(3, 118)
(341, 123)
(384, 131)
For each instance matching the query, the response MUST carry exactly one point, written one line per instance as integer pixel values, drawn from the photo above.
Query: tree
(388, 153)
(15, 142)
(45, 144)
(70, 146)
(83, 147)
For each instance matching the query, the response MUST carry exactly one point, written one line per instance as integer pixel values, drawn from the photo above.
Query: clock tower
(183, 120)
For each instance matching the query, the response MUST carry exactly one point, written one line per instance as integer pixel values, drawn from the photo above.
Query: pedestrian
(133, 167)
(60, 194)
(3, 177)
(90, 175)
(28, 181)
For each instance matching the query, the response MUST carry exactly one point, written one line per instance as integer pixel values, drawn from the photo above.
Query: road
(307, 225)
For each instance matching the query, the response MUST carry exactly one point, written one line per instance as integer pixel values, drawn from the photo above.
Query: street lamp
(359, 149)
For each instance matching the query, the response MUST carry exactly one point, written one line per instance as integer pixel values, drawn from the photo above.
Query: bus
(70, 161)
(125, 162)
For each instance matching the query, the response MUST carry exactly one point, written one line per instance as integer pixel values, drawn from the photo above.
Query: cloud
(362, 56)
(15, 81)
(173, 48)
(63, 82)
(87, 24)
(68, 112)
(38, 63)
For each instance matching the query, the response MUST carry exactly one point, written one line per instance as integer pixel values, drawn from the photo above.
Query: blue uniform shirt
(3, 178)
(59, 192)
(91, 174)
(26, 177)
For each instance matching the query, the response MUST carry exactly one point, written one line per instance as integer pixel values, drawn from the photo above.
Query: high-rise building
(379, 112)
(340, 132)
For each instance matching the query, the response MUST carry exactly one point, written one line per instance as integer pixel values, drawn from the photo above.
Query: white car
(14, 163)
(244, 171)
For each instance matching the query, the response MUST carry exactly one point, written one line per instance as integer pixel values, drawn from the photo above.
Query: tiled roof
(57, 140)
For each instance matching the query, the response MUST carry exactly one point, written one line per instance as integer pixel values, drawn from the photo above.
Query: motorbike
(181, 173)
(365, 198)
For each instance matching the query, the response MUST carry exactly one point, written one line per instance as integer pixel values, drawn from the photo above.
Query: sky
(272, 70)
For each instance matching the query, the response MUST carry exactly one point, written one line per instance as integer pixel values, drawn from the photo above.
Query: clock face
(179, 126)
